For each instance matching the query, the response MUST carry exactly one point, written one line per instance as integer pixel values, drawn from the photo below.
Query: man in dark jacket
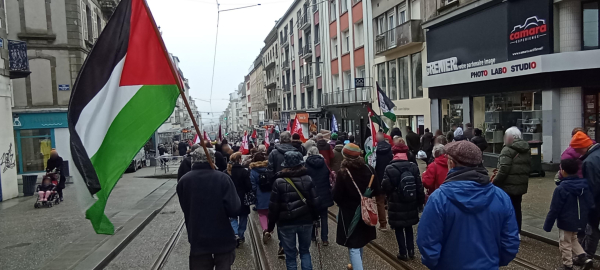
(514, 165)
(479, 140)
(208, 199)
(468, 132)
(467, 223)
(294, 209)
(383, 157)
(183, 147)
(319, 173)
(413, 141)
(296, 142)
(277, 155)
(427, 144)
(405, 197)
(590, 151)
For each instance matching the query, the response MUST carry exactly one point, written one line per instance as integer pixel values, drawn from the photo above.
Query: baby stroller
(53, 198)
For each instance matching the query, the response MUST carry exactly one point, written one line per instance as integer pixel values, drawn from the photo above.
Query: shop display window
(452, 113)
(34, 149)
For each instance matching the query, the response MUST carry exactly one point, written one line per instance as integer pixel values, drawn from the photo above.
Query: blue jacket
(468, 223)
(262, 198)
(570, 205)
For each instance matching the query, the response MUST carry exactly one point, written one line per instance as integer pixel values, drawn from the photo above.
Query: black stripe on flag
(109, 50)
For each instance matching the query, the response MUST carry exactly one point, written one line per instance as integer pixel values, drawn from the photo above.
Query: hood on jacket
(473, 174)
(520, 146)
(400, 148)
(298, 173)
(469, 196)
(339, 147)
(441, 160)
(310, 143)
(458, 138)
(384, 148)
(323, 145)
(591, 150)
(285, 147)
(574, 185)
(259, 164)
(316, 161)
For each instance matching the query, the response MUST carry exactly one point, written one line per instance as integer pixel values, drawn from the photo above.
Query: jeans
(288, 240)
(591, 236)
(356, 255)
(516, 202)
(324, 226)
(405, 238)
(222, 261)
(239, 227)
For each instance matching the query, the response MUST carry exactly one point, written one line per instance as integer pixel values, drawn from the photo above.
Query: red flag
(206, 138)
(244, 149)
(288, 126)
(220, 134)
(298, 130)
(373, 131)
(267, 140)
(196, 139)
(254, 134)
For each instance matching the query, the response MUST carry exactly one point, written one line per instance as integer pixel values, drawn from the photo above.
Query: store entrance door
(591, 113)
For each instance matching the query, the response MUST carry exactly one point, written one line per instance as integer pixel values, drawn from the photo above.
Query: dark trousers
(324, 226)
(590, 237)
(222, 261)
(405, 238)
(516, 202)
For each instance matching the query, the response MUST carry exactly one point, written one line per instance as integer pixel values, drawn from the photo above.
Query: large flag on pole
(298, 130)
(386, 105)
(125, 90)
(267, 143)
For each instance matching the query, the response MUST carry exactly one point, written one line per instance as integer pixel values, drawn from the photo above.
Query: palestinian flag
(377, 119)
(125, 90)
(386, 105)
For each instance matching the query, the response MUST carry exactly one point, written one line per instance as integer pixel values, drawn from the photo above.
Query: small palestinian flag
(386, 105)
(125, 90)
(377, 119)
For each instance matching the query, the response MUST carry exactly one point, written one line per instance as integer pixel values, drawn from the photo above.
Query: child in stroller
(46, 193)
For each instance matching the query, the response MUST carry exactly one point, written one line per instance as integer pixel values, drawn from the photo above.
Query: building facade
(535, 68)
(272, 87)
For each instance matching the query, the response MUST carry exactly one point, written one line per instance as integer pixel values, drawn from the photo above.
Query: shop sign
(40, 120)
(472, 42)
(302, 117)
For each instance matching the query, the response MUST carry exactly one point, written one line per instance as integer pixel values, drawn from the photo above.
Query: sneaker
(349, 267)
(588, 264)
(266, 237)
(402, 257)
(384, 228)
(411, 254)
(325, 243)
(280, 253)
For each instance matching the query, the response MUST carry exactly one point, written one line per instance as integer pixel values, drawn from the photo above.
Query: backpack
(408, 185)
(265, 182)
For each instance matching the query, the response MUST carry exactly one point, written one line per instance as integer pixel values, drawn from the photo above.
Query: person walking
(336, 162)
(459, 135)
(208, 199)
(413, 141)
(396, 132)
(427, 145)
(584, 146)
(436, 172)
(186, 163)
(183, 147)
(479, 140)
(353, 174)
(514, 165)
(241, 180)
(261, 186)
(570, 152)
(383, 157)
(296, 142)
(293, 207)
(450, 134)
(404, 189)
(468, 131)
(55, 165)
(571, 202)
(324, 149)
(468, 223)
(319, 173)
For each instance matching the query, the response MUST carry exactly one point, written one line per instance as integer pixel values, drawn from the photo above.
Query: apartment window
(393, 91)
(319, 97)
(318, 66)
(359, 35)
(381, 76)
(310, 99)
(334, 48)
(346, 40)
(332, 11)
(293, 77)
(335, 81)
(84, 28)
(317, 37)
(90, 32)
(347, 80)
(591, 32)
(403, 68)
(344, 5)
(302, 101)
(402, 17)
(294, 102)
(361, 73)
(391, 25)
(291, 26)
(300, 46)
(293, 54)
(417, 76)
(289, 97)
(380, 25)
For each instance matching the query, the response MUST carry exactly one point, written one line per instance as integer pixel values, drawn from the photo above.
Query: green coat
(514, 165)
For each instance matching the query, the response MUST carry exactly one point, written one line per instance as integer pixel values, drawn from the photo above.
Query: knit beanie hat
(351, 151)
(464, 152)
(581, 140)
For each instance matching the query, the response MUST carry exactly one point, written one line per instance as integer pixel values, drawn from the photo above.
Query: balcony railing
(270, 82)
(308, 80)
(285, 65)
(307, 50)
(270, 63)
(273, 99)
(404, 34)
(348, 96)
(304, 21)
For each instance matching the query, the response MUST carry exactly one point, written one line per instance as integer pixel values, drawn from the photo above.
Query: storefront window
(35, 146)
(381, 76)
(403, 65)
(452, 113)
(417, 76)
(590, 25)
(495, 113)
(403, 121)
(392, 79)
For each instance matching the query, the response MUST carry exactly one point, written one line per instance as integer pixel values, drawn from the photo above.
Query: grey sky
(189, 27)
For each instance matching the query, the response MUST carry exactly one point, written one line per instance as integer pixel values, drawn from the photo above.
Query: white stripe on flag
(101, 111)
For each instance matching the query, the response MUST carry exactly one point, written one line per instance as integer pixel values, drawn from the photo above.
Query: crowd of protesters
(455, 201)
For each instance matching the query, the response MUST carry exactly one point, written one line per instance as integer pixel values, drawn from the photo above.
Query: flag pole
(179, 85)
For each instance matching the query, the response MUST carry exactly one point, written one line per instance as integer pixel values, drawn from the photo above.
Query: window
(380, 25)
(344, 5)
(302, 102)
(294, 101)
(591, 32)
(403, 68)
(332, 11)
(402, 17)
(346, 40)
(348, 80)
(334, 48)
(310, 99)
(393, 91)
(90, 31)
(417, 76)
(391, 25)
(361, 73)
(293, 77)
(94, 26)
(381, 76)
(319, 97)
(317, 37)
(84, 28)
(358, 35)
(35, 146)
(291, 26)
(335, 81)
(318, 66)
(293, 54)
(289, 97)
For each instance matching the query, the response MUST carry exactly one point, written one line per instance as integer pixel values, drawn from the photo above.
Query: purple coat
(570, 153)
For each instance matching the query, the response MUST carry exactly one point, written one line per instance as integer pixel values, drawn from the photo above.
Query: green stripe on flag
(127, 134)
(391, 115)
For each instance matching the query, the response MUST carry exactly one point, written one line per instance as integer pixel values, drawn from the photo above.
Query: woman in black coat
(55, 164)
(348, 199)
(241, 180)
(319, 172)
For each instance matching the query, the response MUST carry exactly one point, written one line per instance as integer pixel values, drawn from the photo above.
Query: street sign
(359, 82)
(64, 87)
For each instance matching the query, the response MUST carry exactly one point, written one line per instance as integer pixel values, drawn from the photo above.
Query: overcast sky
(189, 28)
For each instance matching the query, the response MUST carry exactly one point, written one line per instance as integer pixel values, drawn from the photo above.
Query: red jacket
(436, 173)
(326, 151)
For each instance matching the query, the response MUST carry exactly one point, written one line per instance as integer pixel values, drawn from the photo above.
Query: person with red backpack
(404, 189)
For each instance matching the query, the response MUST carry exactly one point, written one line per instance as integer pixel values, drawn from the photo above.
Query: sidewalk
(32, 238)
